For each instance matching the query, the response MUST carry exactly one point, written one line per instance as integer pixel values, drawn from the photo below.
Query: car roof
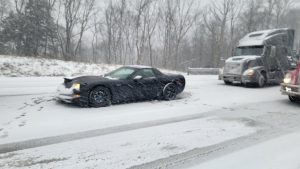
(139, 67)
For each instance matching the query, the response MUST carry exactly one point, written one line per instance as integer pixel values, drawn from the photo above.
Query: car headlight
(249, 72)
(288, 78)
(76, 86)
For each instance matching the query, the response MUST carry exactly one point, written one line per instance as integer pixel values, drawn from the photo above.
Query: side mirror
(138, 78)
(273, 52)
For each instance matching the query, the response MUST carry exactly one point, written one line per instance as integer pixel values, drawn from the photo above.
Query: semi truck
(261, 58)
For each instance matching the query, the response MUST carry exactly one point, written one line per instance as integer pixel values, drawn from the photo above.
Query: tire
(170, 92)
(100, 97)
(262, 80)
(294, 99)
(248, 85)
(227, 82)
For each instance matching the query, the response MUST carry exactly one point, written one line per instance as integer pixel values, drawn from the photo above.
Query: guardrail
(203, 71)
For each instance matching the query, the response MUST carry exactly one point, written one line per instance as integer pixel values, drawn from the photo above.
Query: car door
(147, 86)
(124, 91)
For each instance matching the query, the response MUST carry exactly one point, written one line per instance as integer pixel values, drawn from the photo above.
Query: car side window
(145, 73)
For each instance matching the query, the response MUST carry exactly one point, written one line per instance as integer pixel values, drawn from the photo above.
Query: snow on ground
(127, 149)
(228, 110)
(30, 117)
(279, 153)
(205, 114)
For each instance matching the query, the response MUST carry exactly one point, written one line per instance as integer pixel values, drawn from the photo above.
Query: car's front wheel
(170, 91)
(100, 97)
(294, 99)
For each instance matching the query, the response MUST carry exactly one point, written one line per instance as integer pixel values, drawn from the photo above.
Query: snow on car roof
(257, 38)
(139, 66)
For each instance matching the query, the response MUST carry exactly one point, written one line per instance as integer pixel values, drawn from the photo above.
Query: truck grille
(233, 68)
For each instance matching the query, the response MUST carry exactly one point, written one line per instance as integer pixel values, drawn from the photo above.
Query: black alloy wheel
(100, 97)
(170, 91)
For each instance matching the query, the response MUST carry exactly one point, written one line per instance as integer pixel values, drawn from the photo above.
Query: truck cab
(261, 58)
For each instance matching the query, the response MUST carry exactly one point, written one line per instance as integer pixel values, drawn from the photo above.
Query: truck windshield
(249, 50)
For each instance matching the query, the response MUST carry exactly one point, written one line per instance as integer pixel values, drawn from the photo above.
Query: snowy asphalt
(29, 111)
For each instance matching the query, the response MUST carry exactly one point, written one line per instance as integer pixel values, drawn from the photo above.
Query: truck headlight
(221, 71)
(76, 86)
(288, 78)
(249, 72)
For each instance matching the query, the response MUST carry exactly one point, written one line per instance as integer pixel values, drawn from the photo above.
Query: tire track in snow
(33, 143)
(22, 145)
(37, 94)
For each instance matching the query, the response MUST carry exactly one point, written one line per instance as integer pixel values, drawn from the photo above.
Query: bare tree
(71, 10)
(75, 15)
(4, 8)
(140, 28)
(84, 18)
(151, 19)
(220, 14)
(184, 19)
(281, 8)
(20, 5)
(234, 12)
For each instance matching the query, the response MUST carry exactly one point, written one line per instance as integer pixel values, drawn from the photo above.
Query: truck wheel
(294, 99)
(248, 85)
(227, 82)
(261, 81)
(100, 97)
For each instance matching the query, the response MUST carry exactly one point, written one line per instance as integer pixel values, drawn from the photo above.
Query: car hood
(89, 79)
(241, 59)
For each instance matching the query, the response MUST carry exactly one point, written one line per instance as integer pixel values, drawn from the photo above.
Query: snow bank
(14, 66)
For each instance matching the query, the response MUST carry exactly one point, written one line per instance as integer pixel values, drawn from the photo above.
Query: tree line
(172, 34)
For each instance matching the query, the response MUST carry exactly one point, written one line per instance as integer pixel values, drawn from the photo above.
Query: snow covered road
(207, 116)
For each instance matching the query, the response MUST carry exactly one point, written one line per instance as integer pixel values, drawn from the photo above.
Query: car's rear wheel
(294, 99)
(100, 97)
(170, 91)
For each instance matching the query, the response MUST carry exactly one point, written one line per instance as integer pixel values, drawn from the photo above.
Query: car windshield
(121, 73)
(249, 50)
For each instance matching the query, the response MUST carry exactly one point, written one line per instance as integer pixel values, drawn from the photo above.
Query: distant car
(126, 84)
(291, 85)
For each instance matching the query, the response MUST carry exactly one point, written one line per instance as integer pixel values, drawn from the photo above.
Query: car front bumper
(67, 95)
(290, 90)
(232, 78)
(240, 78)
(250, 79)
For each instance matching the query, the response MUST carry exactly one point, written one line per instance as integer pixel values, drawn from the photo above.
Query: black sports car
(126, 84)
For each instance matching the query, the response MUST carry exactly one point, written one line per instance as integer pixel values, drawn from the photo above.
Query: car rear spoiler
(67, 80)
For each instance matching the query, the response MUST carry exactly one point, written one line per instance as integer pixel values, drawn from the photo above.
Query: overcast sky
(201, 2)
